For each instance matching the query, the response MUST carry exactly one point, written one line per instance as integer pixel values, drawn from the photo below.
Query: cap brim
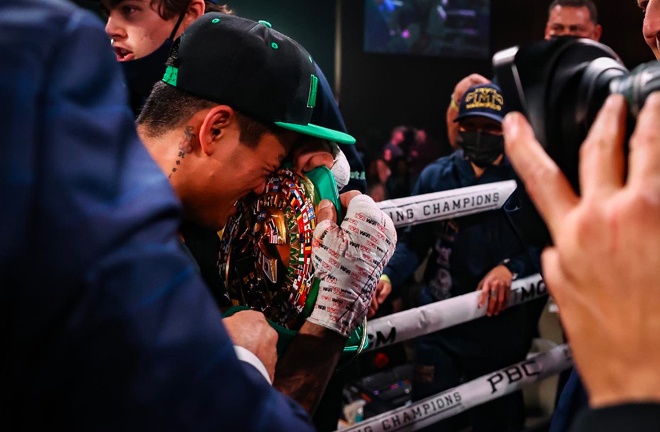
(487, 115)
(318, 132)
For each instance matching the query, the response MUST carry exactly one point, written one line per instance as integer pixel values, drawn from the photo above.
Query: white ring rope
(476, 392)
(437, 206)
(430, 318)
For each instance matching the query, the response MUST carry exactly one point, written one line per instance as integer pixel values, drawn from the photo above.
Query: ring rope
(430, 318)
(465, 396)
(435, 206)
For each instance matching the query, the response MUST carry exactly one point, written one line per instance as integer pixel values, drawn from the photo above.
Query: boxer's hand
(341, 170)
(250, 330)
(349, 260)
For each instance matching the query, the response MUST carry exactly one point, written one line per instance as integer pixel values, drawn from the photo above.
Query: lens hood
(559, 85)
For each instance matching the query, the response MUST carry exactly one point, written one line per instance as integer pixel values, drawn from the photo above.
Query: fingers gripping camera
(348, 260)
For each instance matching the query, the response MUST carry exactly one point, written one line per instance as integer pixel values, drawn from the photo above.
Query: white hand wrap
(341, 170)
(349, 260)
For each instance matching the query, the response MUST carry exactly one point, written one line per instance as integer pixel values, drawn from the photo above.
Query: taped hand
(349, 260)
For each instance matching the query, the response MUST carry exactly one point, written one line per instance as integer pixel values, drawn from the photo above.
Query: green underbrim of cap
(318, 132)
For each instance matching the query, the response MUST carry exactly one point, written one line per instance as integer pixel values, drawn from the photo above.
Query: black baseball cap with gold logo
(252, 68)
(484, 100)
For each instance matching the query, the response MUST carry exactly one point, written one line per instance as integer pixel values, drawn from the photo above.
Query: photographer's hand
(604, 267)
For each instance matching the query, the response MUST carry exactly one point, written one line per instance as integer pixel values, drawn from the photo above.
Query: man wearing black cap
(235, 100)
(142, 33)
(480, 251)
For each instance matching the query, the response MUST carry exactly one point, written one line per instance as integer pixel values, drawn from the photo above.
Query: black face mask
(143, 73)
(482, 149)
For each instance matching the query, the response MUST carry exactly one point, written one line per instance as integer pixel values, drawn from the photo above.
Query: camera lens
(560, 85)
(638, 85)
(576, 110)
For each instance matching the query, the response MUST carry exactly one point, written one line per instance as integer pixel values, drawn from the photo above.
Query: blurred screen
(451, 28)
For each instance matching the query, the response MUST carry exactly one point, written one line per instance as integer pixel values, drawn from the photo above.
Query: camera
(560, 85)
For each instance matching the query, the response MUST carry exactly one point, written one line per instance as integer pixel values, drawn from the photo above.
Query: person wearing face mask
(566, 18)
(480, 251)
(142, 33)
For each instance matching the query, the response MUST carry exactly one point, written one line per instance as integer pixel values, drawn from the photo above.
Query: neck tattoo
(185, 147)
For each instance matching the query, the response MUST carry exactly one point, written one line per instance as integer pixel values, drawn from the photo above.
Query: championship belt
(265, 253)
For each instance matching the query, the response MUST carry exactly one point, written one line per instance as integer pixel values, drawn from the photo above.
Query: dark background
(377, 92)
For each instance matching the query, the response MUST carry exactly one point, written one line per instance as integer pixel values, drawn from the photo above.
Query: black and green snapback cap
(251, 67)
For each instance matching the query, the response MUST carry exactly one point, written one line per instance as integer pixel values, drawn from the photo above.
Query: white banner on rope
(483, 389)
(436, 206)
(430, 318)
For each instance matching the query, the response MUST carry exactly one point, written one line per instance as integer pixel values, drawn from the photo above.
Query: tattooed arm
(309, 362)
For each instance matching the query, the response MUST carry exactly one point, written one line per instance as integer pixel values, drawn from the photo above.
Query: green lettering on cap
(313, 84)
(171, 74)
(266, 23)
